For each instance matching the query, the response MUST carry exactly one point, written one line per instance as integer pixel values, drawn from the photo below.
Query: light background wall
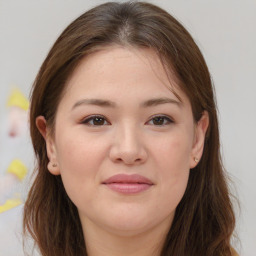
(223, 29)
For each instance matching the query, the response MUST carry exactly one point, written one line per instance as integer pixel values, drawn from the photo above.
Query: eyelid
(166, 117)
(91, 117)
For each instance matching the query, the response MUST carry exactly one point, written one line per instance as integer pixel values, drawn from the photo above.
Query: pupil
(158, 120)
(98, 121)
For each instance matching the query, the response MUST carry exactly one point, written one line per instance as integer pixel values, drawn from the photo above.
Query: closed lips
(128, 179)
(128, 184)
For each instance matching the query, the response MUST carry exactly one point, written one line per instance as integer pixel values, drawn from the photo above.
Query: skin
(127, 140)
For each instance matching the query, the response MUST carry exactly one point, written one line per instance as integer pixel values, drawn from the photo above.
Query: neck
(102, 242)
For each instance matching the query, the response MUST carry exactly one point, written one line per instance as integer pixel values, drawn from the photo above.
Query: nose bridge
(128, 144)
(127, 134)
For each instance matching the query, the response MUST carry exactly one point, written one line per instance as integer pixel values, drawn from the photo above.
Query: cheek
(80, 160)
(173, 159)
(173, 153)
(78, 152)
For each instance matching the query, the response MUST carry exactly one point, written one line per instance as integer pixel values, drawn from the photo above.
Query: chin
(127, 229)
(128, 224)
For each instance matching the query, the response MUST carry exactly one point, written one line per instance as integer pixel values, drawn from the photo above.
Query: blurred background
(224, 31)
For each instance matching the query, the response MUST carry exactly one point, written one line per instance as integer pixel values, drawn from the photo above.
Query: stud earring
(196, 159)
(54, 165)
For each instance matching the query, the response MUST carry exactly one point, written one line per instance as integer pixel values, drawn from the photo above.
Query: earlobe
(199, 139)
(52, 166)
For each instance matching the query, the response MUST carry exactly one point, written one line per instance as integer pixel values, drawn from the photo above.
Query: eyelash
(91, 118)
(86, 121)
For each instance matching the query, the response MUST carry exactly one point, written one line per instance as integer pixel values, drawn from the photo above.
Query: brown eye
(98, 121)
(161, 120)
(95, 121)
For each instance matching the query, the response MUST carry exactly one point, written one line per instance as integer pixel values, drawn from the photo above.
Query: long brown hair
(204, 219)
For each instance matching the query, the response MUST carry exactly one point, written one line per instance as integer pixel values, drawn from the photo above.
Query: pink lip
(128, 184)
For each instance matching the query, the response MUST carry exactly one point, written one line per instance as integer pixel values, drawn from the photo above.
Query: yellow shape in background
(17, 99)
(18, 169)
(9, 204)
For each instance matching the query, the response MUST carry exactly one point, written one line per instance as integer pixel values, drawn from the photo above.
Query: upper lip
(124, 178)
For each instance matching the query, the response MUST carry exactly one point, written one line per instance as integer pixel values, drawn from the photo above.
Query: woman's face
(117, 117)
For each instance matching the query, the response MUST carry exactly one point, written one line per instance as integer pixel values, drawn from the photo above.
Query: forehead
(116, 67)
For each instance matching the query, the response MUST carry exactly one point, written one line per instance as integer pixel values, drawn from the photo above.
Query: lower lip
(128, 188)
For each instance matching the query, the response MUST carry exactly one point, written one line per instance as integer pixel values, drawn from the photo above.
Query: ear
(53, 165)
(199, 138)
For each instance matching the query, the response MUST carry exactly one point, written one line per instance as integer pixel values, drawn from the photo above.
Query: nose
(128, 147)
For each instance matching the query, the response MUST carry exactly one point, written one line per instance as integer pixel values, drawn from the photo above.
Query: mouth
(128, 184)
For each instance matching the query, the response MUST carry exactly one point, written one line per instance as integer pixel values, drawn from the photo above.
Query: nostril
(127, 154)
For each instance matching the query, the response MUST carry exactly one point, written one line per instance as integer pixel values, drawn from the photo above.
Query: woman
(124, 127)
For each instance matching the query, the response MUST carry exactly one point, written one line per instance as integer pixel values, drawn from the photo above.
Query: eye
(95, 121)
(161, 120)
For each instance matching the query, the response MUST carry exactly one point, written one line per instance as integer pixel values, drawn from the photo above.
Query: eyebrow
(97, 102)
(159, 101)
(108, 103)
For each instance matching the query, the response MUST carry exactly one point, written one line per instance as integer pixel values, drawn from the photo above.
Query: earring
(54, 165)
(196, 159)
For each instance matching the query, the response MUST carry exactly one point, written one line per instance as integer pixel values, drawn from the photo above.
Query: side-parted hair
(204, 219)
